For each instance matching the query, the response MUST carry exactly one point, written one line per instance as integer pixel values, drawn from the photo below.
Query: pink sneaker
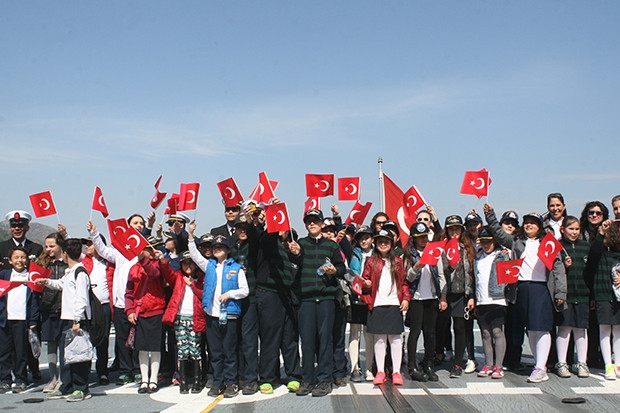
(485, 372)
(379, 378)
(397, 379)
(498, 373)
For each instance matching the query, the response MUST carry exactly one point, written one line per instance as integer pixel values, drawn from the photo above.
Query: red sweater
(145, 290)
(176, 281)
(372, 271)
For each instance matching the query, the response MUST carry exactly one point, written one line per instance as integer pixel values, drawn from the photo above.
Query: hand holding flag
(276, 217)
(508, 271)
(36, 272)
(432, 252)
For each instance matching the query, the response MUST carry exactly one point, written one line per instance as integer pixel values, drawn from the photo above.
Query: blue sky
(116, 93)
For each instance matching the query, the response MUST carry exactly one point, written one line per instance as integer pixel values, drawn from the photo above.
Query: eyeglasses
(380, 222)
(595, 213)
(423, 219)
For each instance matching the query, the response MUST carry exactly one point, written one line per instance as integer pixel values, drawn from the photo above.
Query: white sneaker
(610, 372)
(369, 376)
(51, 386)
(470, 367)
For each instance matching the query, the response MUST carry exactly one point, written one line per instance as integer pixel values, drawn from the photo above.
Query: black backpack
(98, 330)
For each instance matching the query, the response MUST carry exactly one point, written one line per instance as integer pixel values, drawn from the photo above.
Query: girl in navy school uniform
(19, 311)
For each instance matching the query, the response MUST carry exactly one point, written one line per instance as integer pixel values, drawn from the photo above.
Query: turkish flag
(99, 202)
(452, 252)
(548, 249)
(358, 213)
(395, 207)
(116, 227)
(263, 191)
(188, 196)
(173, 204)
(276, 217)
(349, 189)
(314, 202)
(357, 284)
(413, 201)
(508, 271)
(6, 286)
(432, 252)
(129, 243)
(43, 204)
(319, 185)
(159, 197)
(36, 272)
(230, 192)
(476, 183)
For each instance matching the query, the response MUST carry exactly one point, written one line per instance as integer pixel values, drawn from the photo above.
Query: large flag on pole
(395, 208)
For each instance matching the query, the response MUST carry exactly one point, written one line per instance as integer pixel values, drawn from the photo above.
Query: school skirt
(456, 305)
(575, 315)
(51, 327)
(535, 306)
(358, 313)
(491, 315)
(608, 312)
(149, 333)
(385, 319)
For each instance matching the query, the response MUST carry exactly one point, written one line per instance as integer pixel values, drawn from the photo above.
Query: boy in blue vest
(225, 286)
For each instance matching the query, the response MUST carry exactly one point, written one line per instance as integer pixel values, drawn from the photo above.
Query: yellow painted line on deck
(213, 404)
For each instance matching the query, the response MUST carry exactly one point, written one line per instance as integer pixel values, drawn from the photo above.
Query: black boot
(430, 372)
(416, 373)
(183, 385)
(197, 386)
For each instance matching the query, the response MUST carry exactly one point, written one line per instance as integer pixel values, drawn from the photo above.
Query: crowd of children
(195, 310)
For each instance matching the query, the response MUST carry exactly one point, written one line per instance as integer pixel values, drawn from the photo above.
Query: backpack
(98, 329)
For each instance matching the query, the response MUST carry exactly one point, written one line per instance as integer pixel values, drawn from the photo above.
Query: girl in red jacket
(387, 295)
(185, 313)
(144, 305)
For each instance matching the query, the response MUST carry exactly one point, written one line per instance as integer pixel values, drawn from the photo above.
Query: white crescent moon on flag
(415, 200)
(354, 213)
(552, 247)
(517, 268)
(31, 275)
(119, 228)
(155, 199)
(100, 200)
(326, 185)
(193, 198)
(400, 217)
(281, 220)
(232, 192)
(261, 189)
(449, 254)
(481, 183)
(432, 252)
(134, 236)
(313, 204)
(353, 190)
(47, 204)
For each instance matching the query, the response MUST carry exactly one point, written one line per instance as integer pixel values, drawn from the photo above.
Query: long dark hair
(585, 224)
(393, 265)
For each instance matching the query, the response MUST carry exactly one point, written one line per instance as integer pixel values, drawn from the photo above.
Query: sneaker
(292, 386)
(498, 373)
(356, 376)
(397, 379)
(5, 388)
(78, 396)
(456, 371)
(340, 382)
(55, 395)
(305, 389)
(250, 388)
(103, 380)
(379, 378)
(581, 370)
(538, 375)
(562, 370)
(266, 388)
(485, 372)
(610, 372)
(322, 389)
(214, 391)
(470, 367)
(123, 379)
(417, 375)
(19, 387)
(137, 378)
(51, 386)
(231, 391)
(369, 376)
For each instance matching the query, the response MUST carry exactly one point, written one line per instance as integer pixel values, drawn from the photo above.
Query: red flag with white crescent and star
(173, 204)
(42, 204)
(413, 201)
(129, 243)
(349, 189)
(508, 271)
(319, 185)
(263, 192)
(476, 183)
(6, 286)
(548, 249)
(188, 196)
(358, 213)
(99, 203)
(276, 217)
(314, 202)
(159, 197)
(116, 227)
(35, 272)
(432, 252)
(452, 252)
(395, 207)
(230, 192)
